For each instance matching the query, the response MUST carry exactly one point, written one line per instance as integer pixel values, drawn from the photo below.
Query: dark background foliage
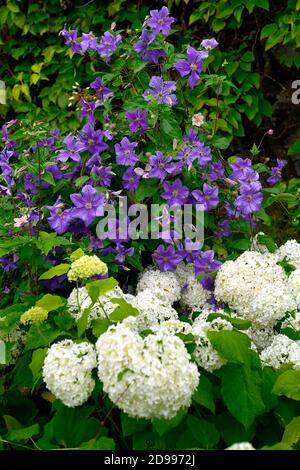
(259, 44)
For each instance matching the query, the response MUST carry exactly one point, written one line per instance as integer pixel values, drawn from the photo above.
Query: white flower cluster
(204, 354)
(255, 287)
(79, 300)
(294, 284)
(152, 310)
(282, 350)
(67, 371)
(291, 251)
(193, 295)
(149, 377)
(241, 446)
(163, 285)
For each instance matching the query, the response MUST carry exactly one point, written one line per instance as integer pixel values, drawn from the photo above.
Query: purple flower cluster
(161, 91)
(276, 172)
(192, 65)
(250, 196)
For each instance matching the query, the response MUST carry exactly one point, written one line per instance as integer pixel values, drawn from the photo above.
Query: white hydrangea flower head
(282, 350)
(163, 285)
(147, 378)
(152, 310)
(86, 267)
(241, 446)
(261, 336)
(294, 284)
(255, 287)
(174, 327)
(291, 251)
(204, 354)
(193, 295)
(101, 309)
(67, 371)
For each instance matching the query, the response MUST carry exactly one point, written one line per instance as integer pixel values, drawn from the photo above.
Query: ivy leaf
(76, 254)
(288, 384)
(58, 270)
(41, 335)
(205, 433)
(100, 326)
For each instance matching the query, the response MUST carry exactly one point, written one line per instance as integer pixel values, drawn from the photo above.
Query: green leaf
(204, 394)
(37, 361)
(238, 323)
(222, 142)
(288, 384)
(146, 188)
(241, 393)
(232, 345)
(104, 443)
(232, 431)
(205, 433)
(100, 326)
(267, 241)
(47, 241)
(294, 148)
(162, 426)
(97, 288)
(58, 270)
(23, 434)
(132, 425)
(76, 254)
(123, 310)
(41, 335)
(268, 30)
(82, 322)
(292, 432)
(51, 302)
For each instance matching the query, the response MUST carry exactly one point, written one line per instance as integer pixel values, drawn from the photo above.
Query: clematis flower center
(88, 205)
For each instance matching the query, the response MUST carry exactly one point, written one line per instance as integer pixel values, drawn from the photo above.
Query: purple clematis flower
(187, 155)
(55, 172)
(208, 196)
(10, 144)
(88, 41)
(176, 193)
(108, 45)
(161, 91)
(125, 154)
(192, 138)
(192, 65)
(209, 44)
(88, 205)
(73, 150)
(104, 174)
(137, 120)
(59, 219)
(223, 229)
(92, 140)
(248, 201)
(161, 166)
(9, 262)
(167, 259)
(87, 109)
(216, 171)
(102, 92)
(206, 263)
(204, 154)
(30, 183)
(71, 40)
(239, 167)
(153, 56)
(146, 38)
(250, 179)
(130, 180)
(160, 21)
(276, 172)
